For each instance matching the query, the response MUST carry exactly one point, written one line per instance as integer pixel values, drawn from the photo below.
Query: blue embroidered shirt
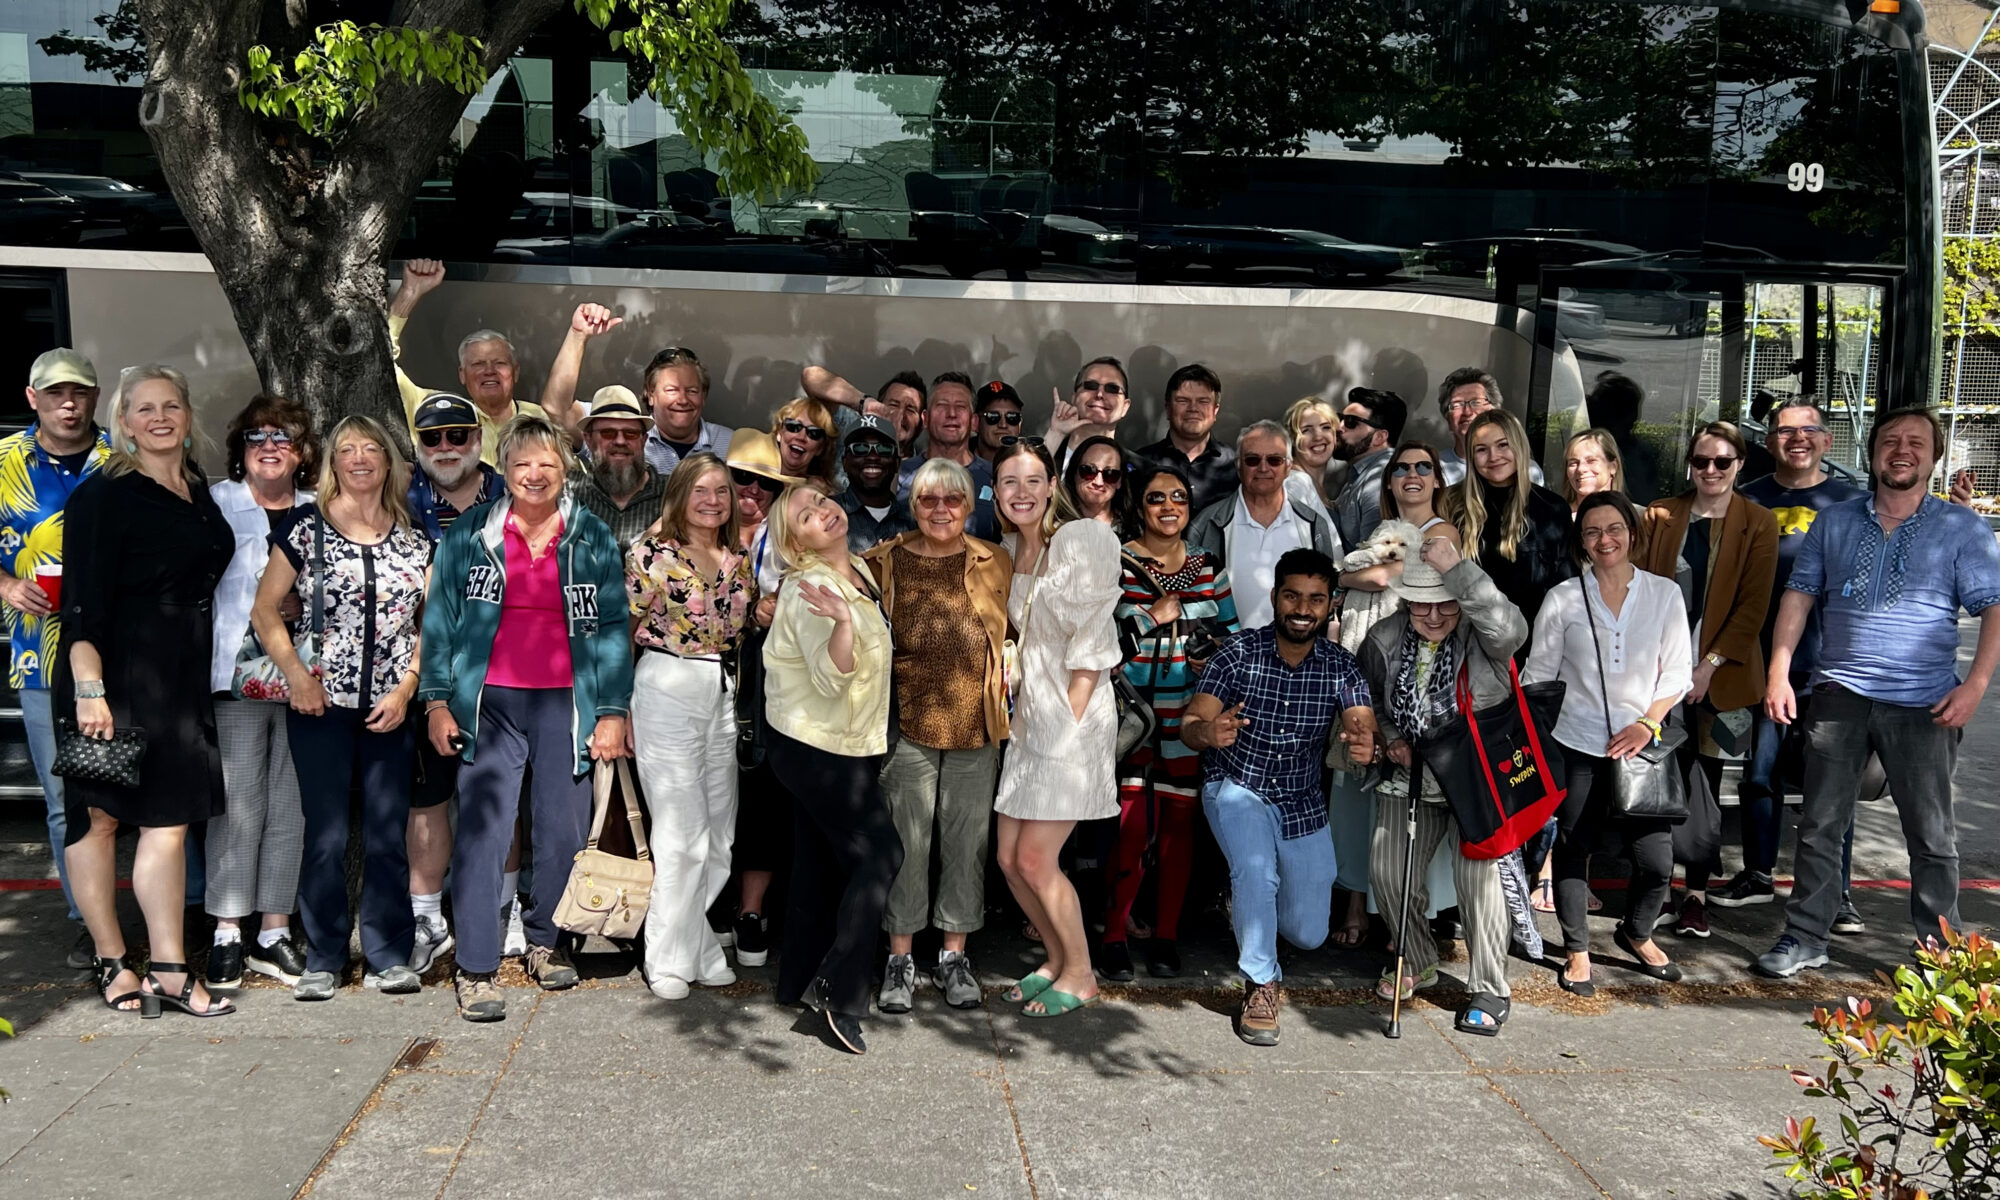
(1889, 602)
(34, 486)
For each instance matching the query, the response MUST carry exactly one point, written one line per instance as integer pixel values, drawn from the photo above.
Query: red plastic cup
(48, 577)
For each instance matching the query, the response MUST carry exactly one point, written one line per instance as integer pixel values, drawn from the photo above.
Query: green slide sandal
(1055, 1004)
(1030, 986)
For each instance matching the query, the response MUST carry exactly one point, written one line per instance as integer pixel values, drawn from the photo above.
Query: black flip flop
(1496, 1007)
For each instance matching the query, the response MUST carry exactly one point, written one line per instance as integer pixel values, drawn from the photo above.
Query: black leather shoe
(1163, 958)
(846, 1031)
(225, 964)
(1114, 962)
(82, 955)
(282, 960)
(1665, 972)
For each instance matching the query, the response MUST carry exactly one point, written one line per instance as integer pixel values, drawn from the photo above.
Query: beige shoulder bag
(607, 895)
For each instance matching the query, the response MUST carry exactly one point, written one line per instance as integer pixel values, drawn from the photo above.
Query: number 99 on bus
(1805, 177)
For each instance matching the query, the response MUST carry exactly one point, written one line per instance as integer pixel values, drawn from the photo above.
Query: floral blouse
(679, 610)
(374, 602)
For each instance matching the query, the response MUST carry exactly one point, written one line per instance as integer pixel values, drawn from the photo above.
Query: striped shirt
(1156, 659)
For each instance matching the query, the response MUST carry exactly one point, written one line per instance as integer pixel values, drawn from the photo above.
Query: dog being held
(1392, 541)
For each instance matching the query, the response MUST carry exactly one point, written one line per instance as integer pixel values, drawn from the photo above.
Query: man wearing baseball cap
(454, 476)
(48, 459)
(618, 485)
(997, 410)
(869, 457)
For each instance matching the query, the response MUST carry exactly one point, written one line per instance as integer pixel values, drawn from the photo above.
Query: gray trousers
(1482, 906)
(255, 846)
(1918, 757)
(953, 791)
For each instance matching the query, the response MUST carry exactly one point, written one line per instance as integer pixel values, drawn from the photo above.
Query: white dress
(1058, 768)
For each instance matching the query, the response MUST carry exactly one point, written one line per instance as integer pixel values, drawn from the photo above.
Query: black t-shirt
(278, 516)
(1795, 509)
(1694, 549)
(75, 463)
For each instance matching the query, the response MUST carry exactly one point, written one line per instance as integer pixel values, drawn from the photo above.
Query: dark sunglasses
(433, 438)
(1177, 496)
(1404, 468)
(1702, 462)
(672, 353)
(1093, 385)
(871, 450)
(1110, 475)
(276, 437)
(752, 479)
(1267, 460)
(814, 433)
(1350, 421)
(994, 416)
(1010, 439)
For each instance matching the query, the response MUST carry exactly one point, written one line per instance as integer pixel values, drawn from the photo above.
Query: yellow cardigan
(805, 697)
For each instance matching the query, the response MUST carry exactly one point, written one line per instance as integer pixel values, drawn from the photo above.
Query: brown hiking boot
(550, 967)
(1257, 1024)
(478, 999)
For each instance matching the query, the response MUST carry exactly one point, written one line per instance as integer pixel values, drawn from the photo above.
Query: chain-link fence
(1965, 90)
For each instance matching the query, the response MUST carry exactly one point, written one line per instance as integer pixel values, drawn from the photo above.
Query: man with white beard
(618, 484)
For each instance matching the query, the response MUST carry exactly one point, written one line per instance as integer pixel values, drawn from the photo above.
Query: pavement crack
(506, 1064)
(1013, 1113)
(87, 1094)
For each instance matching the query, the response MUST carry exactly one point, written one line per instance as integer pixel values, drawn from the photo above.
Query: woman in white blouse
(1626, 655)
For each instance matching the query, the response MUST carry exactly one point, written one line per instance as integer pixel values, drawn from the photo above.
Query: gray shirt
(1357, 510)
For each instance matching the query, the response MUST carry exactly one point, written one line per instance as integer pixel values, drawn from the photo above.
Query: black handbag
(748, 659)
(1136, 719)
(1698, 840)
(1501, 773)
(114, 761)
(1650, 783)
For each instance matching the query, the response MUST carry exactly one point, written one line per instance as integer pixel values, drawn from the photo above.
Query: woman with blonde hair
(808, 439)
(1313, 423)
(358, 567)
(1516, 530)
(143, 544)
(827, 675)
(1591, 463)
(692, 590)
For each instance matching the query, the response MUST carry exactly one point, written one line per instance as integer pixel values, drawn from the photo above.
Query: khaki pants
(953, 791)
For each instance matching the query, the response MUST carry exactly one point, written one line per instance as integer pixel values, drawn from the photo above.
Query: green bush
(1919, 1100)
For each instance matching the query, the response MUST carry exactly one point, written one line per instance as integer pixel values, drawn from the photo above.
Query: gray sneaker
(315, 985)
(1848, 919)
(955, 978)
(1788, 958)
(433, 939)
(398, 980)
(899, 985)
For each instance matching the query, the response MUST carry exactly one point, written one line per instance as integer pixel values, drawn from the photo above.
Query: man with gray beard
(618, 485)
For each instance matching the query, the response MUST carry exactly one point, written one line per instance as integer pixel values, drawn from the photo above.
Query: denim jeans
(1918, 757)
(1277, 886)
(1762, 797)
(38, 716)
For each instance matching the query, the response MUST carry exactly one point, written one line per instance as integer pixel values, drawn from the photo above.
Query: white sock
(428, 908)
(271, 937)
(226, 935)
(510, 890)
(945, 956)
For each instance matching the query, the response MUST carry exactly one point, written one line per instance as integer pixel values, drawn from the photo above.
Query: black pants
(1649, 844)
(845, 857)
(326, 751)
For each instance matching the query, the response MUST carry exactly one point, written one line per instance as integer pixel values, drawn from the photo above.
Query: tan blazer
(1743, 565)
(989, 573)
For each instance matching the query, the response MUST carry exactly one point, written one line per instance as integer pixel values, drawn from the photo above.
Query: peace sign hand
(1227, 724)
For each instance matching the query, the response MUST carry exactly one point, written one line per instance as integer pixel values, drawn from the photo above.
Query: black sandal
(1496, 1007)
(1665, 972)
(218, 1006)
(108, 970)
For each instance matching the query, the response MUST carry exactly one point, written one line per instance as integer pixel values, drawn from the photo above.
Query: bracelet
(90, 689)
(431, 706)
(1652, 727)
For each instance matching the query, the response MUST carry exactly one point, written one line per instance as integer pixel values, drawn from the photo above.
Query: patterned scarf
(1422, 708)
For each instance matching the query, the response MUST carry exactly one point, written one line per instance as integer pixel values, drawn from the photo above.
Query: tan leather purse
(607, 895)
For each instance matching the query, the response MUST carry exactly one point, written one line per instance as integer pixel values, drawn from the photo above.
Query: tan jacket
(989, 573)
(806, 697)
(1743, 563)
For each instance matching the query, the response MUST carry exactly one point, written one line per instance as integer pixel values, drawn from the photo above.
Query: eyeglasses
(258, 437)
(1350, 421)
(752, 479)
(994, 416)
(1265, 460)
(1095, 385)
(670, 393)
(932, 503)
(1702, 462)
(1112, 476)
(1011, 439)
(1455, 407)
(432, 438)
(814, 433)
(1800, 431)
(871, 450)
(1442, 608)
(1157, 498)
(1401, 469)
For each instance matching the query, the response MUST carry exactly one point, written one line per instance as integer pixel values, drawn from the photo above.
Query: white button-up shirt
(1254, 551)
(1647, 655)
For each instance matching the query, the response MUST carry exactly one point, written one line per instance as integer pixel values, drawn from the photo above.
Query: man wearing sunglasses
(998, 408)
(616, 482)
(1194, 402)
(451, 475)
(869, 458)
(487, 370)
(1254, 526)
(1370, 427)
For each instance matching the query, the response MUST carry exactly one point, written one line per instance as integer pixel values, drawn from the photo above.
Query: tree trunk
(298, 239)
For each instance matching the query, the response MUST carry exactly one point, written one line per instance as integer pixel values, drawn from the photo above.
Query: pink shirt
(531, 647)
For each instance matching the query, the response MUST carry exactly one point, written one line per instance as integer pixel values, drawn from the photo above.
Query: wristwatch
(1714, 659)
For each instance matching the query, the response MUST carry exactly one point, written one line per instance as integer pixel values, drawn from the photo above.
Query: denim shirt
(1889, 602)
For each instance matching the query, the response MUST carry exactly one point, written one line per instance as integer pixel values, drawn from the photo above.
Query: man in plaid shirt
(1262, 713)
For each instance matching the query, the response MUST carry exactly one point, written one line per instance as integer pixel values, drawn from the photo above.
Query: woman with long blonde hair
(1516, 530)
(808, 439)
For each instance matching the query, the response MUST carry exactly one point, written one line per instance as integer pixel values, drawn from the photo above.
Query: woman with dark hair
(1516, 530)
(1618, 639)
(1094, 482)
(253, 849)
(1174, 609)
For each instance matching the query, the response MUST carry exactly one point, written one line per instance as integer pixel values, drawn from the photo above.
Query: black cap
(996, 390)
(442, 410)
(869, 425)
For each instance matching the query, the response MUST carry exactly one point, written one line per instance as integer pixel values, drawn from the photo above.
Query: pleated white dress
(1058, 768)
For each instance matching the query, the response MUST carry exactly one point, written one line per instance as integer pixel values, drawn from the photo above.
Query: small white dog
(1392, 541)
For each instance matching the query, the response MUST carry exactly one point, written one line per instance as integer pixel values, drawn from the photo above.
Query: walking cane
(1395, 1029)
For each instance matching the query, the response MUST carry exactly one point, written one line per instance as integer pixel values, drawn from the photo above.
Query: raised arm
(421, 276)
(559, 393)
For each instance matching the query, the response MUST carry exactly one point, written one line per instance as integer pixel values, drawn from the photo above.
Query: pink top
(531, 647)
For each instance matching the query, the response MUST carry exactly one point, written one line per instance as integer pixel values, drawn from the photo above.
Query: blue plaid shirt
(1291, 711)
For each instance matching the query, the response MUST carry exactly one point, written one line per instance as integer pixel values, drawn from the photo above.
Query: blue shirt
(981, 521)
(1291, 710)
(1796, 509)
(34, 486)
(434, 514)
(1889, 603)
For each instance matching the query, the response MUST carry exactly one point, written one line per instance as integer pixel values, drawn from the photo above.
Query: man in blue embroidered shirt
(1888, 574)
(39, 468)
(1262, 713)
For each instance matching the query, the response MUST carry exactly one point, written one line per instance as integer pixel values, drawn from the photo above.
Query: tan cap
(617, 402)
(61, 365)
(755, 451)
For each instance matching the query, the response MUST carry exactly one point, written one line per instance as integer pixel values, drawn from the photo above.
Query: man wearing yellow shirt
(487, 371)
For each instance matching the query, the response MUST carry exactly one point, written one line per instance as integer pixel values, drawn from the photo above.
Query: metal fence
(1965, 91)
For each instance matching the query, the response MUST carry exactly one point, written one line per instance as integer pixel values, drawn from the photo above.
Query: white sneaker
(432, 940)
(515, 944)
(722, 978)
(669, 987)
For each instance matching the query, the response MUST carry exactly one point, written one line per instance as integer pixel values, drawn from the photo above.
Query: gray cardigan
(1490, 629)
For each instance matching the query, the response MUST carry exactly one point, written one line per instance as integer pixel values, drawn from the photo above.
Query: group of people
(901, 626)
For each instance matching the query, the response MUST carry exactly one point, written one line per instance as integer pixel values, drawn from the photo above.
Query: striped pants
(1482, 907)
(255, 846)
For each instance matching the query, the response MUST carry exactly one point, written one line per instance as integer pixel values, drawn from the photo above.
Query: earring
(187, 443)
(131, 447)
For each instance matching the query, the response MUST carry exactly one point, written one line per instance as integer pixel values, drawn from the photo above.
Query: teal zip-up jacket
(462, 615)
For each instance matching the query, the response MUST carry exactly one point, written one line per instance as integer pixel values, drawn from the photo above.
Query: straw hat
(1421, 583)
(755, 451)
(615, 402)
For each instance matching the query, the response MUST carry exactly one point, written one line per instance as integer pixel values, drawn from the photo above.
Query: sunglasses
(1443, 608)
(1350, 421)
(1263, 460)
(672, 353)
(871, 450)
(433, 438)
(1404, 468)
(931, 503)
(258, 437)
(814, 433)
(1702, 462)
(1093, 385)
(1177, 496)
(752, 479)
(1011, 439)
(1112, 476)
(995, 417)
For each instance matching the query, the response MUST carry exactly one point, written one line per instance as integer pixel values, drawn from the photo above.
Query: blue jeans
(1276, 885)
(37, 714)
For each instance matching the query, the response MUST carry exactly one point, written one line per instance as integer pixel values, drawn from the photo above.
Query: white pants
(684, 737)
